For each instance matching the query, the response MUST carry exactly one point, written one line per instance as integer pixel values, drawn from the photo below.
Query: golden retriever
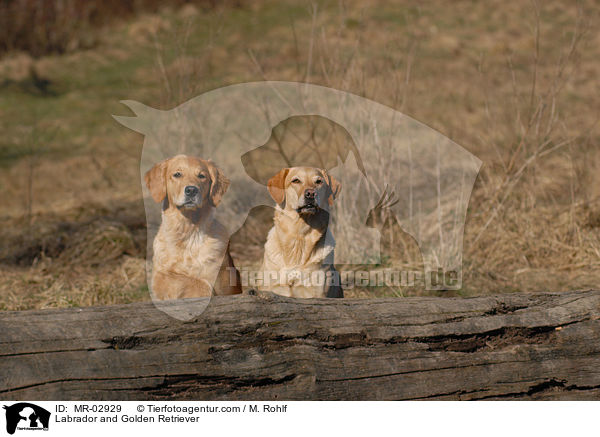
(191, 248)
(298, 259)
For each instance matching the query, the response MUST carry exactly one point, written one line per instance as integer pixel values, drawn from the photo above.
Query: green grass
(86, 87)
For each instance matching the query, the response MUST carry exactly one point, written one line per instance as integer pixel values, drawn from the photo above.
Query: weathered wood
(513, 346)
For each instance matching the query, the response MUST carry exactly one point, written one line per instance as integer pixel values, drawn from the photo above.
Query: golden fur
(300, 243)
(191, 248)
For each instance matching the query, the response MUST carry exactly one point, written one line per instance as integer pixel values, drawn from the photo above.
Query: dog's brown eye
(295, 181)
(202, 176)
(318, 182)
(177, 174)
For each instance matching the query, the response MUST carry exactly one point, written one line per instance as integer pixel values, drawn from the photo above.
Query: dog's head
(186, 182)
(304, 189)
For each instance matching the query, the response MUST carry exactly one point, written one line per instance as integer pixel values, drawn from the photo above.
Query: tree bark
(512, 346)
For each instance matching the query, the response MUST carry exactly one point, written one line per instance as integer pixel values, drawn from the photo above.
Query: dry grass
(88, 257)
(514, 82)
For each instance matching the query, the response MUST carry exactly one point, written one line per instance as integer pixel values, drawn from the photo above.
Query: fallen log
(511, 346)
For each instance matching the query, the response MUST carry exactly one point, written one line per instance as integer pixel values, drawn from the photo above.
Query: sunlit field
(515, 83)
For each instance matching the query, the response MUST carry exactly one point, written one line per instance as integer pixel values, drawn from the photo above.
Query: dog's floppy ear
(276, 186)
(156, 181)
(334, 186)
(218, 184)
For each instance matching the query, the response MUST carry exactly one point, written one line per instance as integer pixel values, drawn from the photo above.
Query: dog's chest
(197, 256)
(311, 249)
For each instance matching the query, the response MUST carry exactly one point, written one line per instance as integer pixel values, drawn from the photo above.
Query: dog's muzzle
(308, 202)
(190, 197)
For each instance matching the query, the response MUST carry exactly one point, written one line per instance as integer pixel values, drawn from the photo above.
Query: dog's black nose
(309, 194)
(190, 190)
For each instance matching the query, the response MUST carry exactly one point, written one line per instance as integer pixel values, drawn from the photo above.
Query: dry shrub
(538, 249)
(98, 243)
(40, 27)
(54, 263)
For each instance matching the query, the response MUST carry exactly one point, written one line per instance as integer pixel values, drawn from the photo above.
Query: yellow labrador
(191, 249)
(298, 260)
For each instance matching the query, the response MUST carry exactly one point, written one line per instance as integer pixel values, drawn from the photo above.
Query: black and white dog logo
(26, 416)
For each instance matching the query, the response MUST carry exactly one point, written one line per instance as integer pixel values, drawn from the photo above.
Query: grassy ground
(514, 82)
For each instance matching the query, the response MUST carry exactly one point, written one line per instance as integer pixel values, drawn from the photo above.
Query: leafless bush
(40, 27)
